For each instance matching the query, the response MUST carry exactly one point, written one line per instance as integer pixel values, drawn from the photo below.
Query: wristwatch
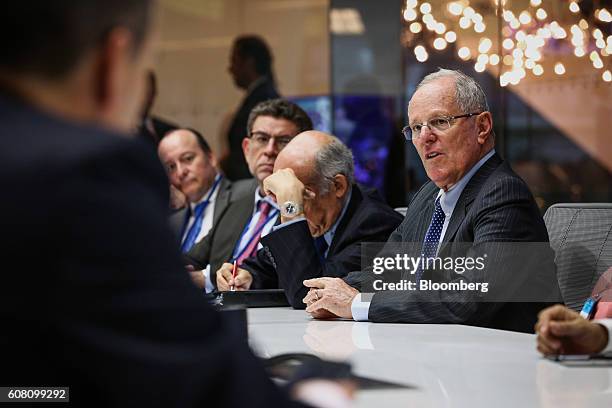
(291, 209)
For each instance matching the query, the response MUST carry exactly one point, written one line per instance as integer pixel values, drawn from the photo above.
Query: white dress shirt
(607, 323)
(247, 233)
(448, 201)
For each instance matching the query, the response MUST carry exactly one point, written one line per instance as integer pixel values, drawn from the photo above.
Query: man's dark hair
(199, 137)
(49, 38)
(280, 109)
(253, 46)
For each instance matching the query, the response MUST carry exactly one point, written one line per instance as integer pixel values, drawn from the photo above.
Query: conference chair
(580, 235)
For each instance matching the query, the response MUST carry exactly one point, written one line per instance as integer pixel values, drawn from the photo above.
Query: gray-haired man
(324, 219)
(474, 197)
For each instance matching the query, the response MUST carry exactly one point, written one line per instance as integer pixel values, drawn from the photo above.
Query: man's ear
(212, 158)
(246, 145)
(340, 185)
(484, 125)
(111, 61)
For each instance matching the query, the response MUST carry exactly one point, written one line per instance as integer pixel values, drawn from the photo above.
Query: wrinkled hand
(225, 281)
(329, 297)
(283, 185)
(563, 331)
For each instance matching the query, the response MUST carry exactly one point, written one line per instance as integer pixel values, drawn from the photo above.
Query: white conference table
(449, 365)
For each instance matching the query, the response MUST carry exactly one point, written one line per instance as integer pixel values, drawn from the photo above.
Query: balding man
(325, 217)
(473, 198)
(192, 169)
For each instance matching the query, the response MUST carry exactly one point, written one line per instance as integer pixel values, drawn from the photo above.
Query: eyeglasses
(262, 139)
(441, 124)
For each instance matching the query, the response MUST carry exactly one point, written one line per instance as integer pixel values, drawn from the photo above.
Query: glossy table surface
(448, 365)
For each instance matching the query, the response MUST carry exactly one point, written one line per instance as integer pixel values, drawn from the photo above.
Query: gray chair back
(580, 235)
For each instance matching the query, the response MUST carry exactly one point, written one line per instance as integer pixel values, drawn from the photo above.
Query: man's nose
(182, 170)
(271, 148)
(427, 136)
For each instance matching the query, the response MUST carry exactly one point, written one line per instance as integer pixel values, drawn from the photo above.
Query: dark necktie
(432, 237)
(321, 246)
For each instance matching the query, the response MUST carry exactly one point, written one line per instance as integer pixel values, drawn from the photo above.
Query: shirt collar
(329, 235)
(212, 197)
(448, 199)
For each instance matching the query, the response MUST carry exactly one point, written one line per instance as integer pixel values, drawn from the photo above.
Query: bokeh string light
(541, 37)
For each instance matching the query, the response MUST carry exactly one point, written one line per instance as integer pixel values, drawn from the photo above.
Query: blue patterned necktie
(432, 237)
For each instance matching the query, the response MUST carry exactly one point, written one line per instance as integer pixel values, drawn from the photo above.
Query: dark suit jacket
(289, 256)
(235, 167)
(495, 206)
(178, 219)
(98, 300)
(217, 246)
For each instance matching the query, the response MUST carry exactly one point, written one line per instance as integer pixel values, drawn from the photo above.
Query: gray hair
(469, 95)
(333, 159)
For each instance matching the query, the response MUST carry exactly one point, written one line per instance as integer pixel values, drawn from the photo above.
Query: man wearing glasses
(474, 197)
(250, 215)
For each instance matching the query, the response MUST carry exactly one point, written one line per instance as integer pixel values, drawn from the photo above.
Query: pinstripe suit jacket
(495, 206)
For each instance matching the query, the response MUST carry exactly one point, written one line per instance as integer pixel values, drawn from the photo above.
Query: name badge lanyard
(256, 234)
(192, 234)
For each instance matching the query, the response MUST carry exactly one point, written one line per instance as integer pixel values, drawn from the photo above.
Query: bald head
(302, 150)
(324, 165)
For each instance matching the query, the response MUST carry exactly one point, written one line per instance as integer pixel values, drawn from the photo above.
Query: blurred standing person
(152, 128)
(251, 70)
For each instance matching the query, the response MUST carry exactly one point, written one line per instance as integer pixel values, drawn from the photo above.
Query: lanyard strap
(198, 217)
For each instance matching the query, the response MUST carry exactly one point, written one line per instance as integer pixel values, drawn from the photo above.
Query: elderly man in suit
(250, 215)
(192, 169)
(325, 217)
(474, 197)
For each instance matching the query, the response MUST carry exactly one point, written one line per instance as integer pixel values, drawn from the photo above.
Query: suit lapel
(222, 200)
(468, 195)
(356, 198)
(178, 221)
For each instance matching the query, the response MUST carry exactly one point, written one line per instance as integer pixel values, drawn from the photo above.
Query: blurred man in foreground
(103, 306)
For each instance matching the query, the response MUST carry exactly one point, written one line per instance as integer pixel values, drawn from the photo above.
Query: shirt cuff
(208, 285)
(285, 224)
(607, 323)
(360, 309)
